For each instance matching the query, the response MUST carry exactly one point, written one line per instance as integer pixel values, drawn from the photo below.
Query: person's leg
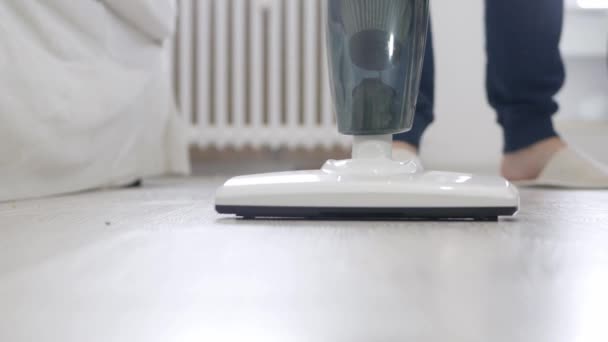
(424, 105)
(524, 73)
(525, 68)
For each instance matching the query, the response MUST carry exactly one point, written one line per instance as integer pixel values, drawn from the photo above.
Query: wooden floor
(157, 264)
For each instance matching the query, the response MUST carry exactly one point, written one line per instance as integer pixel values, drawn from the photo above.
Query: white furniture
(85, 96)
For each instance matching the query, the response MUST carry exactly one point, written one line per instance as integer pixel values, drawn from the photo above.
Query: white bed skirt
(86, 100)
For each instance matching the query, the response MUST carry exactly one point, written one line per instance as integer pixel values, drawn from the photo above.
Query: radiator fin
(254, 73)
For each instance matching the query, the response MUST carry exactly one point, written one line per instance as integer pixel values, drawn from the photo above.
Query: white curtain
(85, 95)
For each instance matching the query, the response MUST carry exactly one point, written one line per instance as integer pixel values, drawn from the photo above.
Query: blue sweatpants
(524, 71)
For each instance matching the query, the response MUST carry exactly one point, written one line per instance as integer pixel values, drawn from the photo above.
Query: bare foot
(528, 163)
(397, 145)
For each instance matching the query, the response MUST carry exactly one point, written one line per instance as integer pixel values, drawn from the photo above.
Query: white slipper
(571, 169)
(402, 154)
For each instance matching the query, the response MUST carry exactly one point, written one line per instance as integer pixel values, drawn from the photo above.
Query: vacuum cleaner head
(320, 194)
(370, 186)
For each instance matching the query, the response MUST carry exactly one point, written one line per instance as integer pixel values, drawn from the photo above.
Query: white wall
(464, 121)
(465, 135)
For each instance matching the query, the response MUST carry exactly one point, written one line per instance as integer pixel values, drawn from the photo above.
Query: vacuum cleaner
(376, 49)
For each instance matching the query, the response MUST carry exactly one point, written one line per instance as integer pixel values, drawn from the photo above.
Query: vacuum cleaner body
(376, 49)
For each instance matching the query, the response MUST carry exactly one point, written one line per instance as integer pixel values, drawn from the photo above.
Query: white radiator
(254, 73)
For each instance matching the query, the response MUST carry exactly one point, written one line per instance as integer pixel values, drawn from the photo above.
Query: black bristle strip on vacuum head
(478, 214)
